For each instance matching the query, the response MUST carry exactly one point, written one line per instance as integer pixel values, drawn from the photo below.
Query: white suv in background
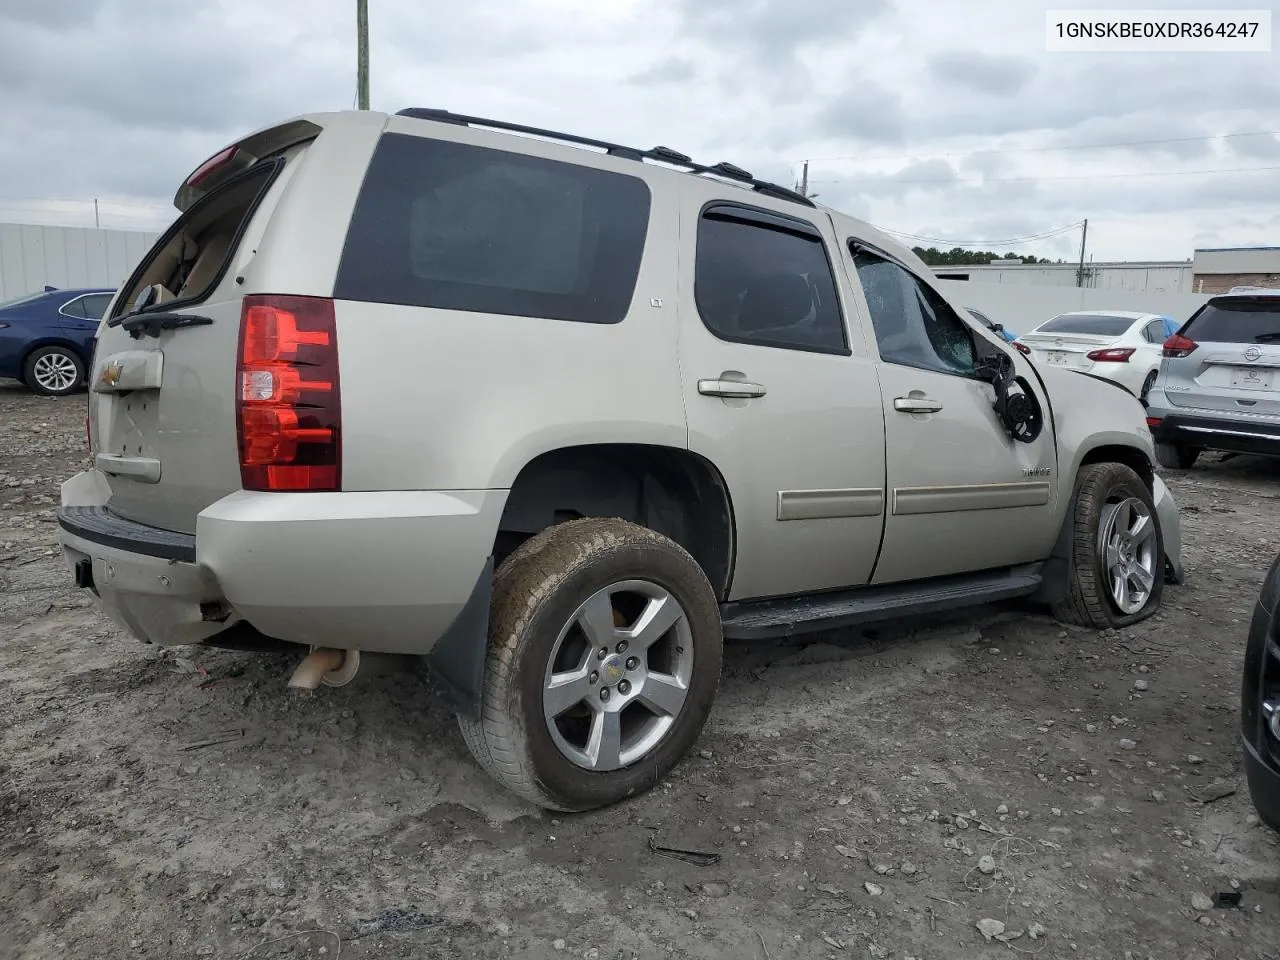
(560, 416)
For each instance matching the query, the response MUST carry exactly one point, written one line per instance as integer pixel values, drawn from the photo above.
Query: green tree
(959, 256)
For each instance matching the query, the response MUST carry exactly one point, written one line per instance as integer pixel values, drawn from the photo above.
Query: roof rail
(726, 171)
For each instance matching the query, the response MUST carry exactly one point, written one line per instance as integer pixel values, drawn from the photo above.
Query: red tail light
(205, 169)
(1179, 346)
(1022, 348)
(289, 408)
(1154, 421)
(1111, 355)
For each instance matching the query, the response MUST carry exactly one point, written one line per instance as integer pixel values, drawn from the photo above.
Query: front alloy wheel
(1116, 555)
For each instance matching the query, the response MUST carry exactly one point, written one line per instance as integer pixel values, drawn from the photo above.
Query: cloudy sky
(939, 119)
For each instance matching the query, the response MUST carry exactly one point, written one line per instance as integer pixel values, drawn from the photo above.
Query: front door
(779, 397)
(962, 494)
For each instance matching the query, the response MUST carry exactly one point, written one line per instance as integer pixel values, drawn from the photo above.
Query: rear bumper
(384, 571)
(1235, 436)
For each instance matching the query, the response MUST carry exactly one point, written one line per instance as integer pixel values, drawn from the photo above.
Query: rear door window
(766, 279)
(458, 227)
(1243, 320)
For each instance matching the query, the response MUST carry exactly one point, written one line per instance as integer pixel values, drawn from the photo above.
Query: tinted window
(1087, 324)
(74, 308)
(458, 227)
(760, 279)
(914, 326)
(1237, 321)
(95, 305)
(1154, 331)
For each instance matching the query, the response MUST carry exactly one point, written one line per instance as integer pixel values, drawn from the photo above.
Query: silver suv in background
(1219, 382)
(561, 416)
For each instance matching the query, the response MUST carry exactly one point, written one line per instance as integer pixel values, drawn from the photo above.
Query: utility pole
(96, 222)
(362, 53)
(804, 179)
(1084, 234)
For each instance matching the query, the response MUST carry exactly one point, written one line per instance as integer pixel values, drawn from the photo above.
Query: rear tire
(53, 371)
(1176, 456)
(1117, 552)
(562, 597)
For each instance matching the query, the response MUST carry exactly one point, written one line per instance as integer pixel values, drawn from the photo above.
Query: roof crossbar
(723, 170)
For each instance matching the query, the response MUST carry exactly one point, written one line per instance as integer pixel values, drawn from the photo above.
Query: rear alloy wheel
(1117, 553)
(1176, 456)
(604, 660)
(53, 371)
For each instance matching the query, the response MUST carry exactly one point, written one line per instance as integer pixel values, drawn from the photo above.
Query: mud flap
(457, 660)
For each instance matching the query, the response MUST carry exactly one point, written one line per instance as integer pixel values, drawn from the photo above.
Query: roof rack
(726, 171)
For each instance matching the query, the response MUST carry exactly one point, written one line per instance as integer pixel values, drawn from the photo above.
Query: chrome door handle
(916, 405)
(730, 388)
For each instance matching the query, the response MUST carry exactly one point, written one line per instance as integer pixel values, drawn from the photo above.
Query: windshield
(18, 301)
(1251, 320)
(1094, 325)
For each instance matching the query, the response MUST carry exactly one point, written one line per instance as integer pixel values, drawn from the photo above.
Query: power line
(889, 178)
(978, 243)
(1080, 146)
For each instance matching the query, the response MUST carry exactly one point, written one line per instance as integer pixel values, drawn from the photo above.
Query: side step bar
(772, 619)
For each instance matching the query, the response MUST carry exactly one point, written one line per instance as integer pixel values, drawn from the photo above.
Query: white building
(33, 257)
(1170, 276)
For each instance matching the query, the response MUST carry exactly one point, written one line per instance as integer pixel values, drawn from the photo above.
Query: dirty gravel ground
(849, 786)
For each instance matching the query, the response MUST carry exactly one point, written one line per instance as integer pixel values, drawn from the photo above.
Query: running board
(771, 619)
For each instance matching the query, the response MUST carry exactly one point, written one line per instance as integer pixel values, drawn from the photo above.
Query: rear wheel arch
(666, 489)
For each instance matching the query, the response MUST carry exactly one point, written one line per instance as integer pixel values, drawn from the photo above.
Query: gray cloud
(866, 112)
(1254, 147)
(670, 70)
(985, 73)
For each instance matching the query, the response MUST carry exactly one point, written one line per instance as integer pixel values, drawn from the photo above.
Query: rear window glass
(1089, 325)
(458, 227)
(1237, 321)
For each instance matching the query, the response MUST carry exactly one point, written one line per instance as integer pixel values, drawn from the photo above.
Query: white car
(1116, 345)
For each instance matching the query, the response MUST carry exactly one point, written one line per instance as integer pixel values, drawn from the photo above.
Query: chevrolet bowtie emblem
(111, 374)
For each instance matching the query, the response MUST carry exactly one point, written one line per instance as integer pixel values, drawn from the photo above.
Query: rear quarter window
(458, 227)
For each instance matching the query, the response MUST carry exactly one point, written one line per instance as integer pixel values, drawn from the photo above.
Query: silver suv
(561, 416)
(1219, 382)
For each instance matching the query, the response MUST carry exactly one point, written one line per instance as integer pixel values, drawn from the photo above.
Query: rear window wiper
(151, 324)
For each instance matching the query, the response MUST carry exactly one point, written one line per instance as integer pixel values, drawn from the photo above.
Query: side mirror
(995, 367)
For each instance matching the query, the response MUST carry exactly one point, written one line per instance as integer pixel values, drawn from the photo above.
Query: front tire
(1176, 456)
(604, 658)
(1117, 551)
(53, 371)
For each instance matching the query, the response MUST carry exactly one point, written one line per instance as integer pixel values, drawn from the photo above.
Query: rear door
(779, 396)
(162, 400)
(1235, 366)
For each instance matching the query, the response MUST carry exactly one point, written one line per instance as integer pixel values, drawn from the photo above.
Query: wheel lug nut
(624, 687)
(595, 675)
(633, 662)
(602, 653)
(604, 693)
(622, 646)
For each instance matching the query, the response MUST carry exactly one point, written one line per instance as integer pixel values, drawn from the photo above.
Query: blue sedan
(46, 339)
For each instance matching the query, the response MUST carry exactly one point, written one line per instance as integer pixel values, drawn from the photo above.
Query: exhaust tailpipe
(333, 668)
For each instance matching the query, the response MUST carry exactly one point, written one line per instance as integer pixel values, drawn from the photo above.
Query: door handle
(740, 389)
(916, 405)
